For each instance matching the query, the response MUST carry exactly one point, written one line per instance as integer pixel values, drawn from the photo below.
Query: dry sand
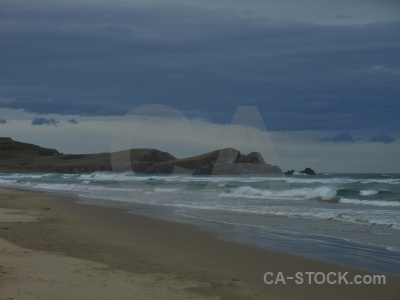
(34, 274)
(53, 248)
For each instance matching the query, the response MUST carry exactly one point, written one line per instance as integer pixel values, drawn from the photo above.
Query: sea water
(352, 219)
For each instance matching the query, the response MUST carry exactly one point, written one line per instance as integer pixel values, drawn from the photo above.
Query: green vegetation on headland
(22, 157)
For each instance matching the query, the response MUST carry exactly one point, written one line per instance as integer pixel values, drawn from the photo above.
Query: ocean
(351, 219)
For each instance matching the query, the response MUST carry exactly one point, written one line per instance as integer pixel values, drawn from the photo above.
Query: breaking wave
(321, 194)
(300, 193)
(370, 202)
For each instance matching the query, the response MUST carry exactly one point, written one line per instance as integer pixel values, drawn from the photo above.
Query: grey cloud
(44, 121)
(3, 121)
(341, 137)
(73, 121)
(198, 60)
(383, 138)
(346, 137)
(64, 107)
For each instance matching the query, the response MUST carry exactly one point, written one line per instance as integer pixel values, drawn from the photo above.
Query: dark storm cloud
(103, 60)
(44, 121)
(2, 121)
(72, 121)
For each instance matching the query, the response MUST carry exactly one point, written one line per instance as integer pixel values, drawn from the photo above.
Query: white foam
(369, 202)
(24, 175)
(384, 218)
(275, 202)
(310, 179)
(300, 174)
(108, 176)
(302, 193)
(69, 175)
(379, 217)
(384, 181)
(165, 190)
(7, 181)
(368, 192)
(216, 179)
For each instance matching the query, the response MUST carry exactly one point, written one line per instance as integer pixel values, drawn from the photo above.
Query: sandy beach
(53, 248)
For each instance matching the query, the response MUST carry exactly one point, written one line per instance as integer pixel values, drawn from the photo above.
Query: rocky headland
(23, 157)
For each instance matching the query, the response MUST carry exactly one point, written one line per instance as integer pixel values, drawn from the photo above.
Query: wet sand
(53, 248)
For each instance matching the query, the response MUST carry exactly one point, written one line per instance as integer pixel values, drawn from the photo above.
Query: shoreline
(281, 241)
(140, 246)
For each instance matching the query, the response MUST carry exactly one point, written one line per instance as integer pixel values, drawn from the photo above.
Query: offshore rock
(289, 172)
(308, 171)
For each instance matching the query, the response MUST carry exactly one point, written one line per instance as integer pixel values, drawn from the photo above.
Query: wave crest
(302, 193)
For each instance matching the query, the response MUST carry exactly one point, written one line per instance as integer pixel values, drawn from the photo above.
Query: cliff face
(22, 157)
(7, 145)
(231, 161)
(219, 162)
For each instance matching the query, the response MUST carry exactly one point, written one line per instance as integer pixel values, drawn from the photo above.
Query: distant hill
(22, 157)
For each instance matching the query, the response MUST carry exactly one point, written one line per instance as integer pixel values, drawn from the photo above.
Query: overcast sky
(324, 76)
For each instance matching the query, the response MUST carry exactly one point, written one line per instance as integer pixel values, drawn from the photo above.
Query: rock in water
(308, 171)
(289, 172)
